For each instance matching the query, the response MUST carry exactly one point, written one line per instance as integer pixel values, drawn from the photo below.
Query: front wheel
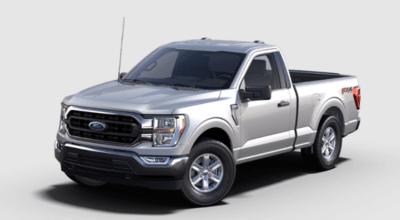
(327, 146)
(210, 173)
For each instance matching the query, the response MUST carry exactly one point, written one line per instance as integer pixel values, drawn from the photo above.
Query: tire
(86, 181)
(217, 178)
(324, 154)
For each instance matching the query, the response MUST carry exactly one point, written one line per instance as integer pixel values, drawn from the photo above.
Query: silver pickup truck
(189, 112)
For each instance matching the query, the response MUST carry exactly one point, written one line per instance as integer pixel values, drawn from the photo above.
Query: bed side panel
(318, 96)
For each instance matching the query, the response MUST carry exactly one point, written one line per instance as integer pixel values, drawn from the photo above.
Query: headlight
(168, 130)
(62, 127)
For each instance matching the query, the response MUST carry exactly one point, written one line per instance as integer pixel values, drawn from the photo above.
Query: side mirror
(256, 92)
(122, 75)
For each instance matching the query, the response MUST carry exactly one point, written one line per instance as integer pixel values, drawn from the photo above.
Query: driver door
(264, 123)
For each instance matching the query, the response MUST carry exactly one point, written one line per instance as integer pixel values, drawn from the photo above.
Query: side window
(162, 68)
(263, 70)
(282, 70)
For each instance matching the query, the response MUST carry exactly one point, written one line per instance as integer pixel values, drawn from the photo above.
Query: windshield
(187, 68)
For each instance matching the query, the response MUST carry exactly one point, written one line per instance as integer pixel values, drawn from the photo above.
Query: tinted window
(162, 68)
(263, 70)
(282, 70)
(200, 69)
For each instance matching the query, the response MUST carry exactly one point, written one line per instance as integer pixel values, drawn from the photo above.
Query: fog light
(155, 160)
(58, 145)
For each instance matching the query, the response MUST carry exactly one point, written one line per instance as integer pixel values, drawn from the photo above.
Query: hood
(139, 98)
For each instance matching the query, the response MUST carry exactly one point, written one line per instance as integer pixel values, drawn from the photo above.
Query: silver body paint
(263, 128)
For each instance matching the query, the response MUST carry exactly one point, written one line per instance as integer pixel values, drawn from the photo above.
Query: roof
(218, 45)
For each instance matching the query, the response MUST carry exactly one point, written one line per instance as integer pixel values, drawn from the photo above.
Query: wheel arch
(333, 107)
(217, 134)
(217, 129)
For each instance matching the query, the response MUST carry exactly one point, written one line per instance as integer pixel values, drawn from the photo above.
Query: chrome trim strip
(266, 153)
(171, 163)
(267, 139)
(147, 137)
(300, 145)
(350, 122)
(108, 143)
(145, 123)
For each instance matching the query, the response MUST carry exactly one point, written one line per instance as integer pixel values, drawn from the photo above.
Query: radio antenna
(120, 53)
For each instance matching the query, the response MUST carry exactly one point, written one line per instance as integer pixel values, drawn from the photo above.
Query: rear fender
(332, 102)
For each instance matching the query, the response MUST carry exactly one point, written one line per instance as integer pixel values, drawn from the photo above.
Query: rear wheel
(210, 173)
(86, 181)
(326, 147)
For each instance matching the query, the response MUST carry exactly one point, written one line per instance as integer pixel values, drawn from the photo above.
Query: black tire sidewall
(223, 153)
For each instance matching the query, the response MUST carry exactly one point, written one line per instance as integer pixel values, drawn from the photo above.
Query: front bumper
(120, 167)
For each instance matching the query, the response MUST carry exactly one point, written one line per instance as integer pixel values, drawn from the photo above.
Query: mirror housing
(256, 92)
(122, 75)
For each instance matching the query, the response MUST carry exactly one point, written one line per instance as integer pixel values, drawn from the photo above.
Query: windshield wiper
(177, 85)
(181, 85)
(138, 81)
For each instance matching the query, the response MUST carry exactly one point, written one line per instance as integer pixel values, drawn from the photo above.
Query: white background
(49, 50)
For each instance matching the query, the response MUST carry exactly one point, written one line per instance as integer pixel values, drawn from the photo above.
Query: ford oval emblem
(97, 126)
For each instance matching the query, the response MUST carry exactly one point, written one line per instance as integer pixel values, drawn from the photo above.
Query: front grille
(97, 163)
(119, 128)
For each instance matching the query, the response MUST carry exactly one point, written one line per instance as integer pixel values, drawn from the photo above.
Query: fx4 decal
(348, 89)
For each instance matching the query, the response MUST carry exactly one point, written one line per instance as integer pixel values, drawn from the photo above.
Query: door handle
(283, 103)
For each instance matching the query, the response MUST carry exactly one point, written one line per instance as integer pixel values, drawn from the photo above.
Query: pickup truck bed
(299, 76)
(319, 92)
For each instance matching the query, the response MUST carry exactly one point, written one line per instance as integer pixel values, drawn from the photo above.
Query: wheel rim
(206, 173)
(329, 143)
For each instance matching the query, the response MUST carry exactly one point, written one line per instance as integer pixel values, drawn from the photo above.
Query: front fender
(191, 138)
